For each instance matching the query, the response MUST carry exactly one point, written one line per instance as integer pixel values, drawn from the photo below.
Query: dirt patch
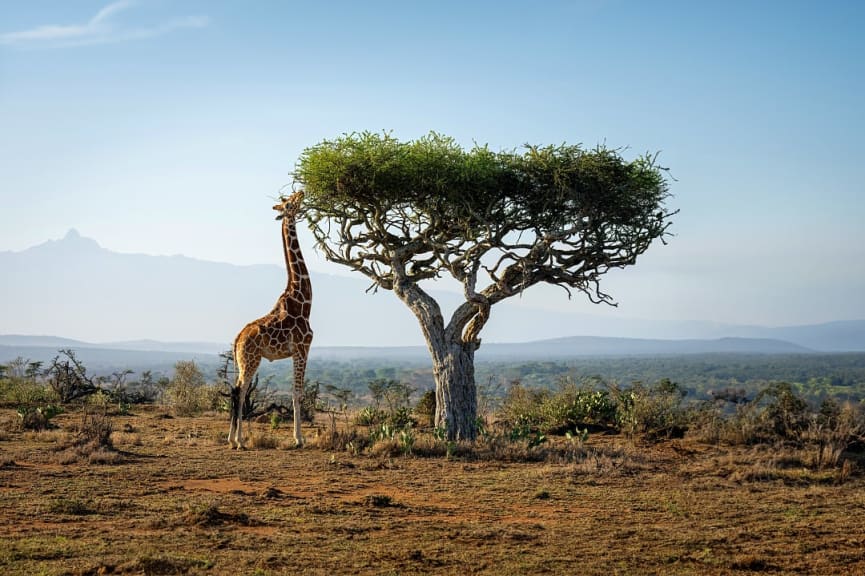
(191, 506)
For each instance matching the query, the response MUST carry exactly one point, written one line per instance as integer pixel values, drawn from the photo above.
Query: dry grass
(604, 506)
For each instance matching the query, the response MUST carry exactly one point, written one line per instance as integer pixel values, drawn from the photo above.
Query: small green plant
(537, 439)
(481, 426)
(406, 440)
(426, 408)
(384, 432)
(400, 418)
(440, 433)
(523, 431)
(369, 416)
(275, 420)
(39, 417)
(578, 436)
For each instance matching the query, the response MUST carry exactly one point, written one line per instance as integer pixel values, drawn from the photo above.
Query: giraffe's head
(289, 206)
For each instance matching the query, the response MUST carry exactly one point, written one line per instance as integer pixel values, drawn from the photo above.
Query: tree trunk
(453, 358)
(456, 392)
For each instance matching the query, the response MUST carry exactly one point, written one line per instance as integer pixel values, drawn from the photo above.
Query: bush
(426, 408)
(188, 393)
(370, 416)
(783, 412)
(653, 412)
(38, 418)
(778, 415)
(570, 408)
(18, 391)
(68, 378)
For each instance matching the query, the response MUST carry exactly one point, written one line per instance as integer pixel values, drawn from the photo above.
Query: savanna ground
(171, 498)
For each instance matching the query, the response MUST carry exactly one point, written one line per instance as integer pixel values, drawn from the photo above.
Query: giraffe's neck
(298, 275)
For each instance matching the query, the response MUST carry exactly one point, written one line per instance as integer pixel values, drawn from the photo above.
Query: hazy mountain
(161, 357)
(74, 287)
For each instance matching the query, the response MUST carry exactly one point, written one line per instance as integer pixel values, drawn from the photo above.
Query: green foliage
(783, 411)
(394, 394)
(406, 439)
(556, 412)
(650, 411)
(523, 431)
(425, 408)
(653, 412)
(275, 420)
(38, 417)
(17, 391)
(548, 185)
(370, 416)
(778, 416)
(188, 392)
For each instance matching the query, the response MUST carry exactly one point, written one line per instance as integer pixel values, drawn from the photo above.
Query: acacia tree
(403, 213)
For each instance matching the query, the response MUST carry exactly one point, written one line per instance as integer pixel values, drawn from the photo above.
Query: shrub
(18, 391)
(832, 431)
(188, 393)
(68, 378)
(570, 408)
(426, 408)
(37, 418)
(369, 416)
(784, 412)
(653, 412)
(393, 393)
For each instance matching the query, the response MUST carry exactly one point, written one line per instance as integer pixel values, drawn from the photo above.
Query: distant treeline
(815, 376)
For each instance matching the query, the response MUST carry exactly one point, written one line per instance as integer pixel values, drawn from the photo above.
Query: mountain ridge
(139, 298)
(571, 346)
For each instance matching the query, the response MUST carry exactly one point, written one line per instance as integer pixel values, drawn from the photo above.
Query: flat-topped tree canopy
(404, 212)
(371, 197)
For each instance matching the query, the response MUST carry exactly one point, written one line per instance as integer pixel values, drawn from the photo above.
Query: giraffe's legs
(232, 431)
(247, 364)
(297, 391)
(241, 400)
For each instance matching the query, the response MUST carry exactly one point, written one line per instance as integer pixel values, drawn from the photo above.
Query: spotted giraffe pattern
(283, 333)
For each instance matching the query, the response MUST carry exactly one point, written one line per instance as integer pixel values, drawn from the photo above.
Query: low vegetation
(658, 481)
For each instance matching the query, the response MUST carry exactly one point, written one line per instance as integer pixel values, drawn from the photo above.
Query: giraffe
(283, 333)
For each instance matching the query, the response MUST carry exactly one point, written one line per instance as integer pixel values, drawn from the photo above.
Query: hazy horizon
(111, 297)
(167, 128)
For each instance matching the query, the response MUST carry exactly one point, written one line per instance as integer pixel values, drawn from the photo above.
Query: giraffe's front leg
(232, 408)
(296, 400)
(297, 394)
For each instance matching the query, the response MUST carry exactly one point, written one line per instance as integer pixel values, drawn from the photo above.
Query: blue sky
(166, 127)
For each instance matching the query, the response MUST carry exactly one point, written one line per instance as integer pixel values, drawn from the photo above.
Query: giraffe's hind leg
(247, 364)
(233, 404)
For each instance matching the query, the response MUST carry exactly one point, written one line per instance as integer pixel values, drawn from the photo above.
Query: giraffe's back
(273, 338)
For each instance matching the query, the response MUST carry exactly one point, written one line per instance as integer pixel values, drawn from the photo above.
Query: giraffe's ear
(280, 216)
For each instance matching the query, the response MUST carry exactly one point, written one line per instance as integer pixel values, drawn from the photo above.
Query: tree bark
(453, 357)
(456, 391)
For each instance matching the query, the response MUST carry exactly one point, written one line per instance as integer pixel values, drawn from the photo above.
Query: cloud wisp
(103, 28)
